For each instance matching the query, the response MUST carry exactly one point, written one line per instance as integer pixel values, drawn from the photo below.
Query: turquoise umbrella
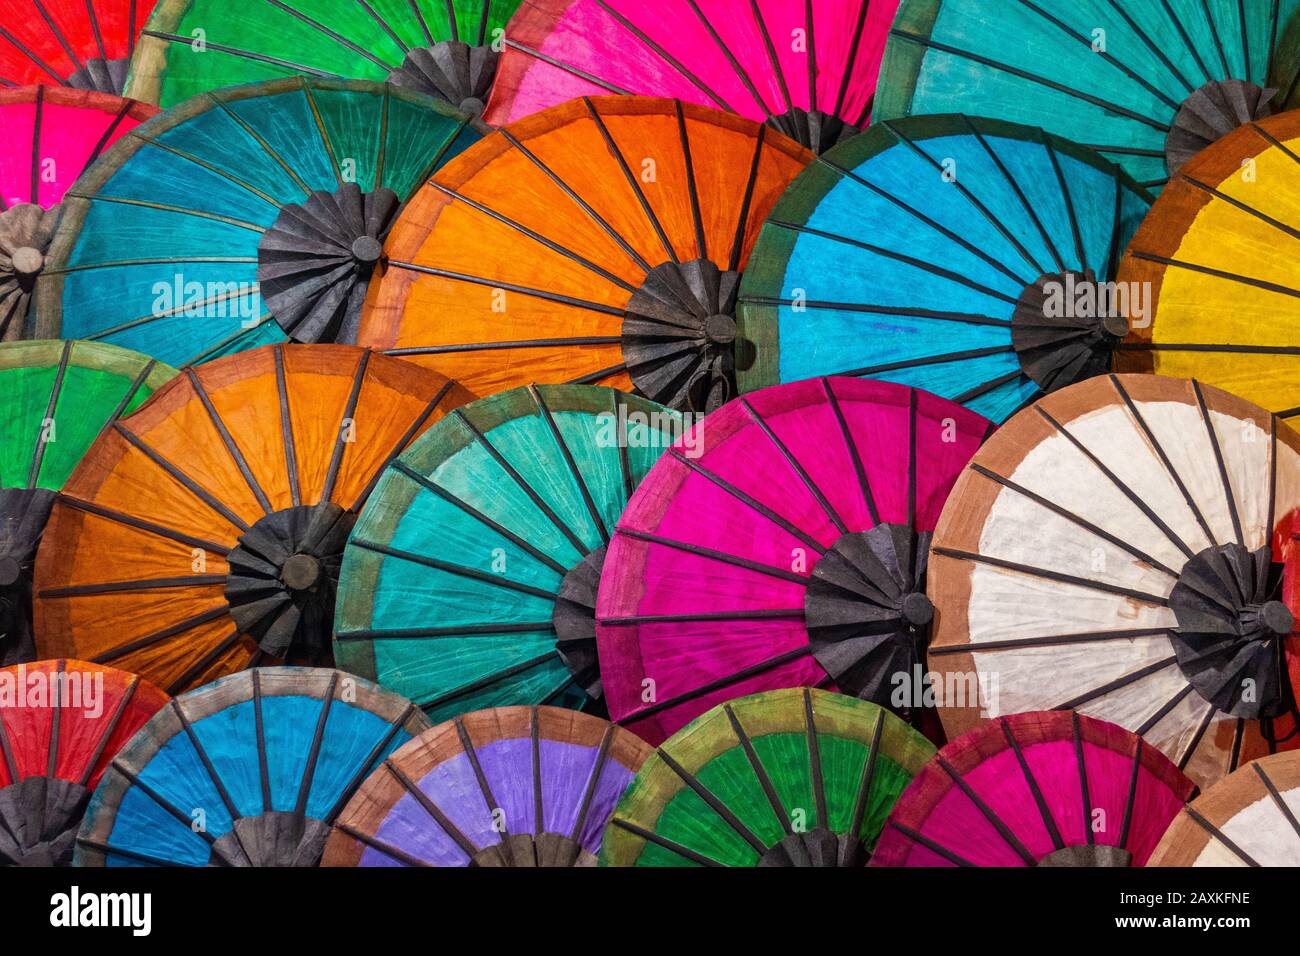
(470, 579)
(1148, 83)
(970, 258)
(260, 202)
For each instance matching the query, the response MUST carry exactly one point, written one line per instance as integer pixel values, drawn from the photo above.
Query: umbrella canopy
(85, 44)
(1246, 819)
(1148, 83)
(205, 532)
(58, 398)
(443, 48)
(52, 135)
(1117, 549)
(599, 242)
(782, 543)
(967, 257)
(61, 722)
(470, 581)
(792, 777)
(248, 771)
(807, 67)
(263, 201)
(1218, 254)
(514, 786)
(1038, 789)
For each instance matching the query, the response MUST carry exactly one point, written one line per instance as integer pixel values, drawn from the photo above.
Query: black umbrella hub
(452, 71)
(39, 820)
(25, 234)
(101, 75)
(1211, 112)
(574, 620)
(1065, 327)
(23, 515)
(818, 847)
(815, 129)
(1094, 855)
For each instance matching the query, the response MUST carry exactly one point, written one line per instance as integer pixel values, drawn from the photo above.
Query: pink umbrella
(781, 543)
(807, 66)
(51, 134)
(1050, 788)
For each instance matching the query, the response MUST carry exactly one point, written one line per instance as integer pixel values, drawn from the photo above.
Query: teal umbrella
(470, 579)
(261, 202)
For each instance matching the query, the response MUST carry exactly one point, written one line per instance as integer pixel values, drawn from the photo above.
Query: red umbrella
(82, 43)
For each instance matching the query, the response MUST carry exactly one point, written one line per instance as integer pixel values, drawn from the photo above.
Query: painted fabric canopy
(86, 44)
(1148, 83)
(442, 48)
(1117, 549)
(1218, 253)
(51, 135)
(470, 581)
(967, 257)
(61, 722)
(807, 68)
(204, 533)
(782, 543)
(1246, 819)
(58, 398)
(793, 777)
(261, 202)
(248, 771)
(514, 786)
(600, 242)
(1036, 789)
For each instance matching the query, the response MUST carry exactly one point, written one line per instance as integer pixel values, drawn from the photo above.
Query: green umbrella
(443, 48)
(57, 398)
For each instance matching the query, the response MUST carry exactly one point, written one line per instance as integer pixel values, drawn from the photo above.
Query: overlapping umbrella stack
(700, 432)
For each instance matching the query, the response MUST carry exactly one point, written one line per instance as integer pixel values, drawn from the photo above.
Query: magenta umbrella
(1051, 788)
(809, 67)
(782, 543)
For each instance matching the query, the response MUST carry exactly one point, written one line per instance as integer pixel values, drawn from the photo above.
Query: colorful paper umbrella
(1217, 255)
(58, 397)
(1246, 819)
(443, 48)
(783, 543)
(265, 201)
(470, 581)
(61, 722)
(248, 771)
(515, 786)
(967, 257)
(1039, 789)
(52, 135)
(85, 44)
(205, 532)
(807, 68)
(793, 777)
(1113, 550)
(599, 242)
(1148, 83)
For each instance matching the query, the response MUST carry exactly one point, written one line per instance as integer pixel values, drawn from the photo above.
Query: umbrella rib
(1082, 764)
(671, 846)
(692, 187)
(535, 236)
(593, 779)
(488, 680)
(712, 801)
(243, 54)
(863, 7)
(1218, 41)
(717, 684)
(1272, 39)
(1130, 801)
(1272, 475)
(1049, 575)
(1220, 836)
(430, 485)
(453, 25)
(1025, 75)
(204, 164)
(599, 375)
(158, 636)
(209, 768)
(6, 751)
(429, 806)
(1146, 38)
(509, 287)
(22, 48)
(1224, 478)
(742, 220)
(1281, 804)
(815, 760)
(1119, 485)
(760, 772)
(1073, 518)
(181, 478)
(933, 846)
(582, 204)
(260, 733)
(228, 440)
(485, 788)
(763, 614)
(366, 766)
(1116, 684)
(402, 442)
(462, 630)
(867, 780)
(204, 662)
(1218, 274)
(63, 40)
(771, 55)
(442, 150)
(459, 570)
(333, 35)
(619, 158)
(38, 450)
(984, 388)
(720, 556)
(915, 213)
(555, 692)
(811, 55)
(749, 501)
(123, 702)
(859, 469)
(133, 855)
(911, 466)
(123, 263)
(998, 824)
(286, 427)
(320, 128)
(1075, 231)
(1032, 782)
(387, 849)
(387, 28)
(140, 378)
(1208, 347)
(1244, 207)
(170, 808)
(553, 427)
(730, 57)
(144, 584)
(130, 521)
(1185, 757)
(624, 461)
(349, 413)
(795, 466)
(535, 744)
(56, 720)
(565, 67)
(868, 308)
(109, 131)
(260, 140)
(884, 253)
(313, 755)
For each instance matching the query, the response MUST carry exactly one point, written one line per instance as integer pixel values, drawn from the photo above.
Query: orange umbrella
(599, 242)
(205, 532)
